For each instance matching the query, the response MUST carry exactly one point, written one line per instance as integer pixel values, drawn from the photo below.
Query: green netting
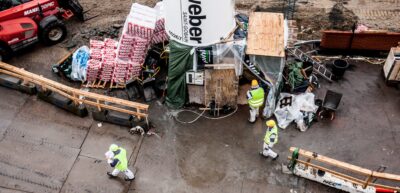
(295, 77)
(180, 61)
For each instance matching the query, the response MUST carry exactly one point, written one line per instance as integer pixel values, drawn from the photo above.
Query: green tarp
(180, 61)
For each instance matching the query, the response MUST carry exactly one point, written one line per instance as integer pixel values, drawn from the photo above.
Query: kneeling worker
(255, 98)
(270, 139)
(117, 159)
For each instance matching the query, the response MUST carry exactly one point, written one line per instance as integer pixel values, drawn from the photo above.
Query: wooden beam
(344, 176)
(65, 88)
(337, 174)
(66, 56)
(347, 166)
(70, 94)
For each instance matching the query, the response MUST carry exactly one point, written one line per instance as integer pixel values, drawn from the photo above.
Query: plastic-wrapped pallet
(94, 64)
(109, 56)
(120, 70)
(125, 47)
(160, 35)
(96, 48)
(107, 70)
(133, 45)
(94, 67)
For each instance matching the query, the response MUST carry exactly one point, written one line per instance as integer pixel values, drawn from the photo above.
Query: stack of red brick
(133, 45)
(108, 63)
(94, 63)
(160, 35)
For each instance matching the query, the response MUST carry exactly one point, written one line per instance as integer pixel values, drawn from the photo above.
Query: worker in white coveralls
(116, 157)
(270, 139)
(255, 98)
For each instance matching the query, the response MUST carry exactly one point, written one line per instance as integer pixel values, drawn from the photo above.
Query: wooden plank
(222, 85)
(385, 186)
(266, 34)
(84, 100)
(395, 71)
(389, 64)
(62, 93)
(220, 66)
(338, 174)
(347, 166)
(65, 88)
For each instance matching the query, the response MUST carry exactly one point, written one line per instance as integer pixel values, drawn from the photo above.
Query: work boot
(127, 179)
(275, 157)
(110, 175)
(261, 154)
(252, 122)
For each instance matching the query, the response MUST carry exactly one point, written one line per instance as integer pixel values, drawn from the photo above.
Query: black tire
(5, 52)
(53, 33)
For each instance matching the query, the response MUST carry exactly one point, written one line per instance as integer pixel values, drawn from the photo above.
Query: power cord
(201, 115)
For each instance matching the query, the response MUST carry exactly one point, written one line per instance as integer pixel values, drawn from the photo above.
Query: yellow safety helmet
(254, 83)
(271, 123)
(113, 147)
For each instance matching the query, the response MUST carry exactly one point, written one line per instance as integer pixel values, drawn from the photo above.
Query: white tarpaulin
(294, 108)
(199, 22)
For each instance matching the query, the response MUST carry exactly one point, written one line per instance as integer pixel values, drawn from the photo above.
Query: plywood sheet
(392, 66)
(221, 85)
(196, 94)
(266, 34)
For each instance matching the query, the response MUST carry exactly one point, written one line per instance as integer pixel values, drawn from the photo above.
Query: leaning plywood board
(222, 86)
(266, 34)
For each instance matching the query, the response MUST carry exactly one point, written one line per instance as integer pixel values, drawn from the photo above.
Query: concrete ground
(222, 155)
(45, 149)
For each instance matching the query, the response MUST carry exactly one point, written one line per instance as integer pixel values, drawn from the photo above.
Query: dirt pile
(341, 18)
(311, 20)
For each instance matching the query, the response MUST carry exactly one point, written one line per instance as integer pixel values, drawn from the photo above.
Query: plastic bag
(297, 110)
(79, 64)
(222, 53)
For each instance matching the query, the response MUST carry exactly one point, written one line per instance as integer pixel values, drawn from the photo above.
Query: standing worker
(255, 98)
(116, 157)
(270, 139)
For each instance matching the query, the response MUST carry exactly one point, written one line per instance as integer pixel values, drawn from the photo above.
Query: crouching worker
(116, 157)
(255, 98)
(270, 139)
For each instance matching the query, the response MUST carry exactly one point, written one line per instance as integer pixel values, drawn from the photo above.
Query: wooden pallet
(95, 84)
(117, 85)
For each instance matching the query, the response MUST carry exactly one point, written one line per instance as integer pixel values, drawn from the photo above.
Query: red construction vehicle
(25, 22)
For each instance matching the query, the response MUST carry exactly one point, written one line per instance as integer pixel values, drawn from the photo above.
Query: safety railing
(76, 95)
(313, 164)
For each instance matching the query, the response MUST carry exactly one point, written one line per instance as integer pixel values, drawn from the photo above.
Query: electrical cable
(201, 115)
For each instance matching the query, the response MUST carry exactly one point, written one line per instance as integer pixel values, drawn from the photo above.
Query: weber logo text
(195, 18)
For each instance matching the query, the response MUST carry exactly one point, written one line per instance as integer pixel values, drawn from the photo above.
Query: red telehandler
(25, 22)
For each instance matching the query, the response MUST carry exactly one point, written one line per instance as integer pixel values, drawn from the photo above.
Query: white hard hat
(113, 147)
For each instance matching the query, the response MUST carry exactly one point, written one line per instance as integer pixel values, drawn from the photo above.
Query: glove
(109, 161)
(109, 155)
